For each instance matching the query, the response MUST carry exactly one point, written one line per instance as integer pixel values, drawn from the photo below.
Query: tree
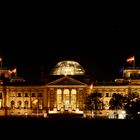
(116, 102)
(93, 102)
(132, 105)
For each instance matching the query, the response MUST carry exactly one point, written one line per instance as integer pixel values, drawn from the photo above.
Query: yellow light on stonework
(65, 74)
(0, 103)
(68, 68)
(91, 86)
(122, 115)
(35, 101)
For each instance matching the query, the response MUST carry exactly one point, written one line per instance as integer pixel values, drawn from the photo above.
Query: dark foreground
(65, 128)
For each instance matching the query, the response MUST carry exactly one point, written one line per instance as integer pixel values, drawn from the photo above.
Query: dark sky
(100, 45)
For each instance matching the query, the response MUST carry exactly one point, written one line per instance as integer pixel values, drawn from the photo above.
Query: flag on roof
(14, 70)
(131, 59)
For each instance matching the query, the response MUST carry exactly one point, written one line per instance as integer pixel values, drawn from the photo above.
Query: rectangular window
(26, 94)
(40, 95)
(33, 94)
(19, 95)
(0, 95)
(107, 94)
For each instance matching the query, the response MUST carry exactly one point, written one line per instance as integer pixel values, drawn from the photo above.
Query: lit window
(26, 94)
(0, 95)
(19, 95)
(12, 104)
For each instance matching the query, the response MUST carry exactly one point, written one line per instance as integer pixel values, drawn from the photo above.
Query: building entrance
(66, 99)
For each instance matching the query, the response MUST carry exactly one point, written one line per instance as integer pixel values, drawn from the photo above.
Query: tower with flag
(14, 71)
(131, 60)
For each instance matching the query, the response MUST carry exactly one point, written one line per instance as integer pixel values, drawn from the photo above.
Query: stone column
(70, 96)
(62, 108)
(77, 99)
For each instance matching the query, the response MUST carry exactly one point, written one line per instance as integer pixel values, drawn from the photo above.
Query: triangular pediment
(66, 80)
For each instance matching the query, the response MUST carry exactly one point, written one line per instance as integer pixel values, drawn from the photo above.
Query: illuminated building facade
(64, 91)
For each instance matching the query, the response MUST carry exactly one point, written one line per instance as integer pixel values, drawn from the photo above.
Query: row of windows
(40, 94)
(26, 104)
(27, 95)
(110, 95)
(58, 91)
(105, 94)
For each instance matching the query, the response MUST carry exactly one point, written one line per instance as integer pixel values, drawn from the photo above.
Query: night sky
(101, 46)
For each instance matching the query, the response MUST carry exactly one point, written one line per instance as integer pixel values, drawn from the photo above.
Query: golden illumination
(68, 68)
(35, 101)
(66, 99)
(59, 99)
(13, 71)
(130, 59)
(91, 86)
(73, 99)
(0, 104)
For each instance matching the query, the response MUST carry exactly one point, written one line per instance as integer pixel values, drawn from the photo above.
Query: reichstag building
(64, 91)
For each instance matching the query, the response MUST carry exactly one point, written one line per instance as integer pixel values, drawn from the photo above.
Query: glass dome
(68, 68)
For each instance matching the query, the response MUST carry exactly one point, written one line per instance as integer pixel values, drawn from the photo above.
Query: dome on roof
(68, 67)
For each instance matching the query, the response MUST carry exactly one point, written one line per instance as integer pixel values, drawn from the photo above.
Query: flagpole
(123, 71)
(37, 106)
(16, 72)
(134, 63)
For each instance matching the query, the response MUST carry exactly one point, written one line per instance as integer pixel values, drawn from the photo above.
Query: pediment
(66, 81)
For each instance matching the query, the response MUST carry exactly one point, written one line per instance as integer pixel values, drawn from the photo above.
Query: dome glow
(68, 68)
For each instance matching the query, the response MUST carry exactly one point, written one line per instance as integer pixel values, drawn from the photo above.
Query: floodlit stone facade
(62, 94)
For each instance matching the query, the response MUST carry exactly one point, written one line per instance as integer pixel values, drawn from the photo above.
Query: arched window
(12, 104)
(0, 95)
(66, 99)
(40, 95)
(59, 99)
(33, 94)
(40, 104)
(107, 95)
(73, 99)
(19, 104)
(26, 94)
(25, 104)
(19, 95)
